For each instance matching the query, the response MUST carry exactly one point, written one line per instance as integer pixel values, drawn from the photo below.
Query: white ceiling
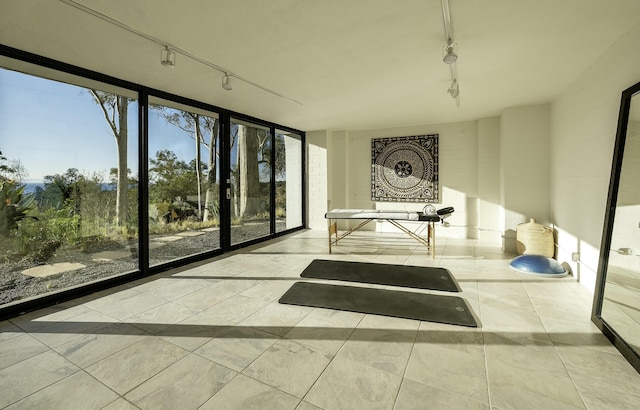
(352, 64)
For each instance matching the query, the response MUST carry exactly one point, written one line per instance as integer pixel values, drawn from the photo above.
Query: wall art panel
(405, 169)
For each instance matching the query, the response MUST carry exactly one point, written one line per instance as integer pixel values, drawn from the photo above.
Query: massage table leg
(333, 229)
(430, 242)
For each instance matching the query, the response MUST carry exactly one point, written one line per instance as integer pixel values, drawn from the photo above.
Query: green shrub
(64, 225)
(14, 205)
(34, 241)
(214, 208)
(39, 238)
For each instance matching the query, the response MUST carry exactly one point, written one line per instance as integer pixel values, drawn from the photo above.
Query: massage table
(393, 217)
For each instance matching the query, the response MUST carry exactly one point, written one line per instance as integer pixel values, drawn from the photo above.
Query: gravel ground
(16, 286)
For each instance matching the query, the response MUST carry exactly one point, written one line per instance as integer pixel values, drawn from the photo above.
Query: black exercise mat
(419, 277)
(409, 305)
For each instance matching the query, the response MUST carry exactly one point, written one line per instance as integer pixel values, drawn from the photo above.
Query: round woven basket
(534, 239)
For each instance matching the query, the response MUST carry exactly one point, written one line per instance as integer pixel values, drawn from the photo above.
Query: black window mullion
(272, 200)
(143, 182)
(303, 173)
(225, 175)
(143, 176)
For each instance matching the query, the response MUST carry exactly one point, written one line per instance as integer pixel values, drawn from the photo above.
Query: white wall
(583, 127)
(350, 163)
(489, 208)
(524, 168)
(293, 181)
(337, 168)
(550, 161)
(471, 174)
(317, 179)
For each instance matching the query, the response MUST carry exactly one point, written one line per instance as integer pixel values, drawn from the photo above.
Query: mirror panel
(617, 297)
(621, 301)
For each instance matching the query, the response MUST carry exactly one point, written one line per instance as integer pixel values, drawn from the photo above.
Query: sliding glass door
(288, 177)
(184, 181)
(103, 181)
(68, 183)
(250, 181)
(263, 167)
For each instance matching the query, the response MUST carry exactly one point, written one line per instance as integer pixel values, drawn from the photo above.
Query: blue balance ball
(538, 265)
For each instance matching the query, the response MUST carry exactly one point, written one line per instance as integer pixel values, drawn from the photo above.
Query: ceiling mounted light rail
(450, 53)
(173, 48)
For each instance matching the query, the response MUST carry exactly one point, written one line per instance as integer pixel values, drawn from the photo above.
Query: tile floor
(214, 337)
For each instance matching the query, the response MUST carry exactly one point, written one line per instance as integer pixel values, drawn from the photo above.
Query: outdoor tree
(132, 201)
(113, 177)
(79, 197)
(63, 190)
(265, 151)
(170, 178)
(248, 172)
(12, 170)
(204, 130)
(115, 107)
(4, 167)
(254, 164)
(14, 204)
(254, 159)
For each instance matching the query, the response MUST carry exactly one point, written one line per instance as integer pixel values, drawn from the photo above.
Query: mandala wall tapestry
(405, 169)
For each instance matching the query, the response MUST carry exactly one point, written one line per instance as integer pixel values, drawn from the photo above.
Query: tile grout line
(406, 366)
(484, 344)
(331, 361)
(555, 349)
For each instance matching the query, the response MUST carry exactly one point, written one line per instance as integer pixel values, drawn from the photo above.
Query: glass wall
(70, 179)
(184, 181)
(68, 183)
(288, 173)
(250, 176)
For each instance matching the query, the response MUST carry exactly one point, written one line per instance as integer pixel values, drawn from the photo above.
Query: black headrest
(444, 211)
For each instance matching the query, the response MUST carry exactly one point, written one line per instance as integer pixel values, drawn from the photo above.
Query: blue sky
(51, 126)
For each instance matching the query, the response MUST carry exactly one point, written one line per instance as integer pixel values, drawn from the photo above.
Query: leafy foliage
(171, 179)
(280, 164)
(40, 238)
(61, 189)
(12, 169)
(4, 166)
(205, 130)
(14, 206)
(71, 209)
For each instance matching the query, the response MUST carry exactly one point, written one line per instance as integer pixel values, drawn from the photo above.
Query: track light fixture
(168, 57)
(454, 90)
(169, 51)
(226, 82)
(450, 52)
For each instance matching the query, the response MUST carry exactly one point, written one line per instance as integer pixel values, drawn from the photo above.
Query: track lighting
(450, 52)
(226, 82)
(454, 90)
(168, 57)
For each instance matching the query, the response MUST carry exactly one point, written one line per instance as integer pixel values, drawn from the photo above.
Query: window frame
(47, 68)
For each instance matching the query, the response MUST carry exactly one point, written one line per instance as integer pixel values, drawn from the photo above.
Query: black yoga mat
(409, 305)
(419, 277)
